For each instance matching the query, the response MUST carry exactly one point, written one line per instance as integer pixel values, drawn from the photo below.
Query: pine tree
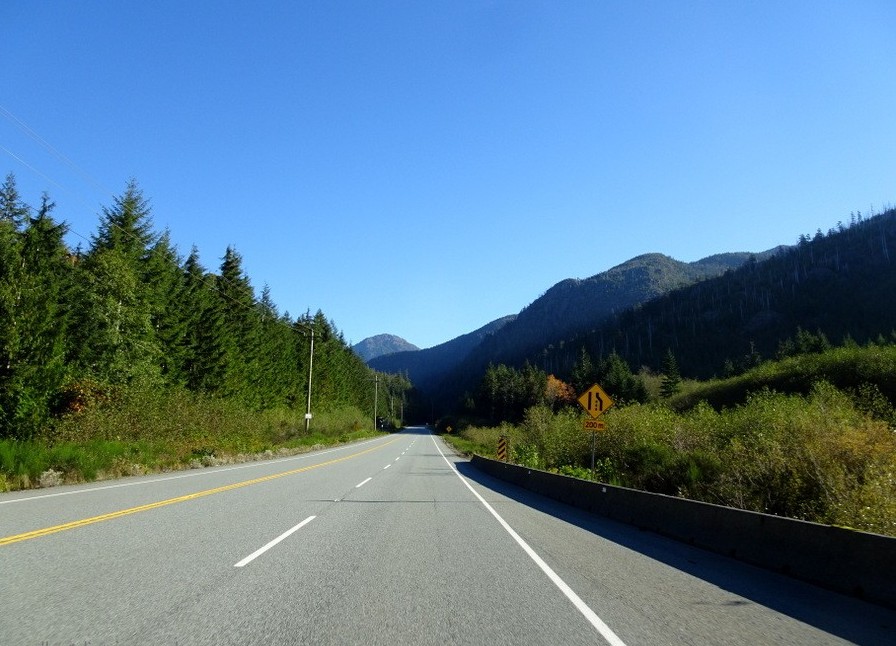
(12, 212)
(12, 209)
(583, 373)
(671, 382)
(241, 331)
(204, 352)
(278, 362)
(127, 226)
(115, 339)
(166, 291)
(38, 369)
(616, 377)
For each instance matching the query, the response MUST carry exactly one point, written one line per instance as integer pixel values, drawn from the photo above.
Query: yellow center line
(37, 533)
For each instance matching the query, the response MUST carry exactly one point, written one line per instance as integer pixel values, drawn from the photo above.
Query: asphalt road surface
(390, 541)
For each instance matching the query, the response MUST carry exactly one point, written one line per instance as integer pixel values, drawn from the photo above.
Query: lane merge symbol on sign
(595, 401)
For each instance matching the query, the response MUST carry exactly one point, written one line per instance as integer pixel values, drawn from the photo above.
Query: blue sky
(423, 168)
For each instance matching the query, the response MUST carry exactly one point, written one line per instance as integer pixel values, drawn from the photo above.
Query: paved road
(390, 541)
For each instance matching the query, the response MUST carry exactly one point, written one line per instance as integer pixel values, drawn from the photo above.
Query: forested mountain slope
(426, 367)
(574, 306)
(842, 284)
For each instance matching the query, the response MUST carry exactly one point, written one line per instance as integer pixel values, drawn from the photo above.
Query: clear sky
(422, 168)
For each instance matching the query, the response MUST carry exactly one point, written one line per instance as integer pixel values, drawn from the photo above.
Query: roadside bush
(556, 438)
(133, 430)
(820, 457)
(802, 457)
(828, 456)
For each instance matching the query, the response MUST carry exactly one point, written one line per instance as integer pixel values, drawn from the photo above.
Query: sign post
(595, 402)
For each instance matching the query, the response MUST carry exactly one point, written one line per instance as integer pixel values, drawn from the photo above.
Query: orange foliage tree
(558, 393)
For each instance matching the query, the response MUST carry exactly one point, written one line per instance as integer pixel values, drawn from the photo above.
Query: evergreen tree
(127, 311)
(615, 376)
(583, 372)
(205, 357)
(166, 293)
(127, 226)
(38, 369)
(12, 209)
(671, 382)
(115, 339)
(278, 360)
(505, 393)
(241, 331)
(32, 285)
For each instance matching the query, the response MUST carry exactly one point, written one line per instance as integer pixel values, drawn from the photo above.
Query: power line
(32, 168)
(43, 142)
(86, 176)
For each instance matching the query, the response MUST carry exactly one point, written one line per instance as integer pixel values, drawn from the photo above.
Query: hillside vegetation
(840, 284)
(426, 368)
(770, 387)
(125, 357)
(541, 332)
(811, 450)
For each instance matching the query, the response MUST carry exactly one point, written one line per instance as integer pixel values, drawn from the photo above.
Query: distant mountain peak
(426, 367)
(381, 344)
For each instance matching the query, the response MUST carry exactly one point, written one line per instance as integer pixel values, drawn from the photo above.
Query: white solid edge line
(192, 474)
(361, 484)
(576, 600)
(254, 555)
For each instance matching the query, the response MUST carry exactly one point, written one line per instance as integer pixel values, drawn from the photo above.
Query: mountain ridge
(837, 285)
(564, 310)
(422, 366)
(382, 344)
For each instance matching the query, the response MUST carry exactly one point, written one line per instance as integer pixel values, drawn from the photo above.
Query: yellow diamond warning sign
(595, 401)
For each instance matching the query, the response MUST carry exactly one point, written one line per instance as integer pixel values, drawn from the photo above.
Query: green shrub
(827, 456)
(526, 455)
(134, 429)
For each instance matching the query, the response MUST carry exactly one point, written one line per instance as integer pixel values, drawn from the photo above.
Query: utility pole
(376, 395)
(310, 362)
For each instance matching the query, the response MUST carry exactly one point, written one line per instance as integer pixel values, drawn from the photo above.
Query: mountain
(840, 285)
(376, 346)
(719, 314)
(426, 367)
(575, 306)
(565, 310)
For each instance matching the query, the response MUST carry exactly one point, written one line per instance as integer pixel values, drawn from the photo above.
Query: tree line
(78, 325)
(505, 393)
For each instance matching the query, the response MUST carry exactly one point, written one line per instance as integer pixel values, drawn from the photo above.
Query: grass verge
(146, 432)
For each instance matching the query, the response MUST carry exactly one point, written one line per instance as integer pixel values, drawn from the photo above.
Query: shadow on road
(837, 614)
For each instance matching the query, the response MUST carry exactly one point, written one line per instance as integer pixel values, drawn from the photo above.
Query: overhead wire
(48, 146)
(95, 184)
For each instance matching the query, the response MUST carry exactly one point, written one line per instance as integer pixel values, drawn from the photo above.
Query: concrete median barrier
(837, 558)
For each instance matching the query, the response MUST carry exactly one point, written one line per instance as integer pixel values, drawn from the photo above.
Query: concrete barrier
(844, 560)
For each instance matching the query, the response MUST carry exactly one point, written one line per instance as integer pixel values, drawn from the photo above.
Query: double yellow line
(37, 533)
